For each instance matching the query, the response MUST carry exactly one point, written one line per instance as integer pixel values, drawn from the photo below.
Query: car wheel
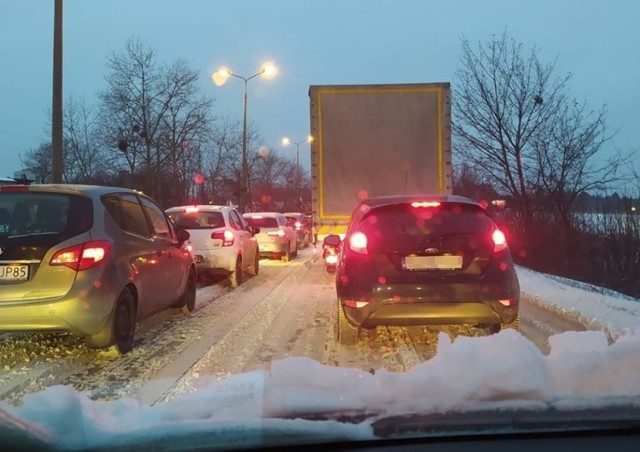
(256, 264)
(286, 257)
(188, 299)
(124, 322)
(120, 327)
(295, 253)
(235, 278)
(347, 333)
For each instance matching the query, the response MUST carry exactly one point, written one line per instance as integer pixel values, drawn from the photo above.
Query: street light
(220, 77)
(286, 142)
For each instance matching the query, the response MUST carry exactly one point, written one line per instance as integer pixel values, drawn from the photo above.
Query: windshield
(262, 222)
(170, 170)
(198, 220)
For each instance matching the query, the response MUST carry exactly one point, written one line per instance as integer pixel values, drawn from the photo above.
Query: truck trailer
(374, 140)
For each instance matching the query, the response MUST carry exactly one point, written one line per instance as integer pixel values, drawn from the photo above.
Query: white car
(222, 241)
(276, 238)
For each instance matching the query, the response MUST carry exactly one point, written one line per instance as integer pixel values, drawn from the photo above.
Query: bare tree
(566, 155)
(84, 159)
(38, 161)
(225, 143)
(503, 99)
(150, 111)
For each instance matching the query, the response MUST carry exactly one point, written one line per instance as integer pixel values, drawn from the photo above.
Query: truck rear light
(82, 257)
(499, 241)
(358, 242)
(227, 237)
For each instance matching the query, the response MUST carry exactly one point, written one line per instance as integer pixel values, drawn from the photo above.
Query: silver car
(276, 238)
(222, 242)
(90, 260)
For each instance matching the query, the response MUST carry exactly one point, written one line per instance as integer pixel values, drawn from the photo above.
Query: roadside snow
(594, 307)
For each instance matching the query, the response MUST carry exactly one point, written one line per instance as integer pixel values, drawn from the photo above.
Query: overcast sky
(312, 42)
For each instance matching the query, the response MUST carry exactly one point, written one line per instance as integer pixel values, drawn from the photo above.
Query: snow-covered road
(286, 310)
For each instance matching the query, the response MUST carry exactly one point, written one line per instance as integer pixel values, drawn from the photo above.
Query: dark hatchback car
(424, 260)
(302, 226)
(90, 260)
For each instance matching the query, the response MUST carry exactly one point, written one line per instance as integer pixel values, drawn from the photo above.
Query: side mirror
(183, 235)
(332, 240)
(254, 230)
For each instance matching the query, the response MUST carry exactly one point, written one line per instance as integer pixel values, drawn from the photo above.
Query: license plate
(14, 272)
(432, 262)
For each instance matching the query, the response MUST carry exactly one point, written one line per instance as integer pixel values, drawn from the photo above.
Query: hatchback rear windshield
(406, 221)
(198, 220)
(35, 214)
(263, 222)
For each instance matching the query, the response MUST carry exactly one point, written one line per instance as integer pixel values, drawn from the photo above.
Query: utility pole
(56, 120)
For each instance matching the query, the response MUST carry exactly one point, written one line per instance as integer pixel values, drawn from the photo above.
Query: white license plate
(14, 272)
(432, 262)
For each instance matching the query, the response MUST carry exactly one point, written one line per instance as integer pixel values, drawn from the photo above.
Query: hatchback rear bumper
(83, 313)
(437, 304)
(220, 260)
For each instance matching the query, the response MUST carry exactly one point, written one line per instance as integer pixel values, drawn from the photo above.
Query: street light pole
(286, 141)
(219, 78)
(244, 190)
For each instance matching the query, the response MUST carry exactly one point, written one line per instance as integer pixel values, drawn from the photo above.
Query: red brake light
(358, 242)
(226, 236)
(191, 209)
(298, 225)
(83, 256)
(417, 204)
(499, 240)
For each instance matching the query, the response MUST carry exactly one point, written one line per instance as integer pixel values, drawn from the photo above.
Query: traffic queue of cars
(94, 261)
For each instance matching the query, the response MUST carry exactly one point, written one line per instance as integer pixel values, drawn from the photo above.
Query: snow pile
(502, 371)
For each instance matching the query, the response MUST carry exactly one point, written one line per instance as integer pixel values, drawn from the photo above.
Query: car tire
(286, 257)
(188, 298)
(347, 333)
(120, 328)
(253, 271)
(295, 253)
(235, 278)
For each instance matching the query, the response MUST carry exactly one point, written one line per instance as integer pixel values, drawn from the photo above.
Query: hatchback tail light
(358, 242)
(226, 236)
(499, 240)
(84, 256)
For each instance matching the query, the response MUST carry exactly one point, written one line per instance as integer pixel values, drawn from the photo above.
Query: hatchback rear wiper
(30, 234)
